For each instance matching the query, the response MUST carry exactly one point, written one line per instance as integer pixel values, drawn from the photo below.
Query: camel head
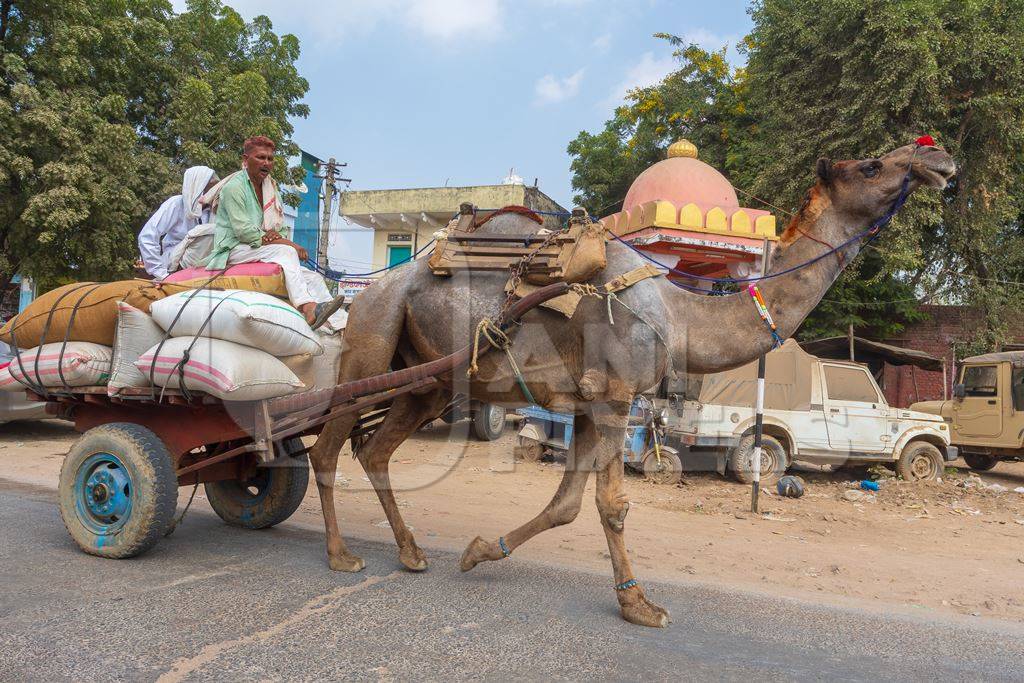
(863, 190)
(868, 187)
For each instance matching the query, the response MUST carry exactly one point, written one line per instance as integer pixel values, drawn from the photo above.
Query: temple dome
(682, 179)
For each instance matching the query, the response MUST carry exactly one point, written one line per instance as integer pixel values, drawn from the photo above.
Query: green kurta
(239, 220)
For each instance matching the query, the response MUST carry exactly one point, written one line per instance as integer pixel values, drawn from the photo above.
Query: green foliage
(102, 106)
(850, 80)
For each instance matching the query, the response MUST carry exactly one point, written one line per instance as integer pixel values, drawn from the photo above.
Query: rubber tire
(286, 487)
(154, 492)
(529, 450)
(671, 470)
(484, 417)
(740, 460)
(979, 462)
(915, 450)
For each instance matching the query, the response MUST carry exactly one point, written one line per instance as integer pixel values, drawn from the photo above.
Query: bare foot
(413, 558)
(346, 563)
(309, 312)
(637, 609)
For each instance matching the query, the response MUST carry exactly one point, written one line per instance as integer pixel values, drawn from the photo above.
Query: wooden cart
(118, 486)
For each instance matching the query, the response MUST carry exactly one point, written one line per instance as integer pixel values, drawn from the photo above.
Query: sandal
(325, 310)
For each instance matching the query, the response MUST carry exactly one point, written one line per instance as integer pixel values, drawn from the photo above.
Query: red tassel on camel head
(925, 141)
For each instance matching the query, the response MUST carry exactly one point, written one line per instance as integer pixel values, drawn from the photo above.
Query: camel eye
(870, 171)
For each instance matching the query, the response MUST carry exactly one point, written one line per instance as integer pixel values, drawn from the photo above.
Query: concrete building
(404, 221)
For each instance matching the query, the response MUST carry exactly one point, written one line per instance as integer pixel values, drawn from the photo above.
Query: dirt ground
(953, 546)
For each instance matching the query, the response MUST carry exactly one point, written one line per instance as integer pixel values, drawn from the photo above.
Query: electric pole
(330, 173)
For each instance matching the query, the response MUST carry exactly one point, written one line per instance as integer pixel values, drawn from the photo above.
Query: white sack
(81, 364)
(318, 372)
(194, 249)
(229, 371)
(250, 318)
(136, 333)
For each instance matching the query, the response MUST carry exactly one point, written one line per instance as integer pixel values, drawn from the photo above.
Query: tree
(840, 79)
(102, 104)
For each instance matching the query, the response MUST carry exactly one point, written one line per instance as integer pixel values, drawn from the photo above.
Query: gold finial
(682, 148)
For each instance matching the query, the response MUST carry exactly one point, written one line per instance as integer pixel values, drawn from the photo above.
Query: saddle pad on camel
(250, 318)
(254, 277)
(229, 371)
(58, 365)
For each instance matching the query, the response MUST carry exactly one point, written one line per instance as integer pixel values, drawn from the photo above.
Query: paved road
(213, 602)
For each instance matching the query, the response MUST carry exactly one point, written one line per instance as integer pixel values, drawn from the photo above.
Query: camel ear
(824, 170)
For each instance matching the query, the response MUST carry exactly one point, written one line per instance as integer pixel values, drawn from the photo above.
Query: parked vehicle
(986, 413)
(815, 410)
(488, 419)
(13, 404)
(644, 449)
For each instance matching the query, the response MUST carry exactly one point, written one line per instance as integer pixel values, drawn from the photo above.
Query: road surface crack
(181, 668)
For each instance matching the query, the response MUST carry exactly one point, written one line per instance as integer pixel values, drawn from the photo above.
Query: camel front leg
(561, 509)
(323, 457)
(612, 506)
(406, 415)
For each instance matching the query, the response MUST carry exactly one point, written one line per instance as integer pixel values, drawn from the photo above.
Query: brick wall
(946, 327)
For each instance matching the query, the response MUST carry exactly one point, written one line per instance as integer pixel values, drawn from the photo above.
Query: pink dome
(681, 181)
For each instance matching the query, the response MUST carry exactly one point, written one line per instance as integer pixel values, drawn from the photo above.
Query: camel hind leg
(407, 414)
(323, 457)
(370, 341)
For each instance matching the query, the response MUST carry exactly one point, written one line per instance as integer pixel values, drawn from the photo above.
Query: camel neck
(790, 298)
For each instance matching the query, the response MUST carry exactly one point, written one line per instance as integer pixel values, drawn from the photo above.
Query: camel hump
(508, 220)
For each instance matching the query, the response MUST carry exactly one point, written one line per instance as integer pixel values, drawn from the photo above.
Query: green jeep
(986, 414)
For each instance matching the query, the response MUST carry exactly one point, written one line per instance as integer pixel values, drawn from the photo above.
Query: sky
(424, 93)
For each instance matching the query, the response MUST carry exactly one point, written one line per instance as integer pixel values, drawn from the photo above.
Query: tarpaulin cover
(787, 383)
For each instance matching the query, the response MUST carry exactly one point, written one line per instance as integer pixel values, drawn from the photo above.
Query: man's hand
(271, 237)
(303, 254)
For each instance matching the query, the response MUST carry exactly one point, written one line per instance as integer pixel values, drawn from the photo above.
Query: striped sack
(56, 365)
(224, 369)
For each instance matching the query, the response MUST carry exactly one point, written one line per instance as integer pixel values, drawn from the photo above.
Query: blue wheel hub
(103, 493)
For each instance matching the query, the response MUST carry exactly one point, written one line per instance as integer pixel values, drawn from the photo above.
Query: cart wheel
(267, 498)
(117, 490)
(669, 470)
(488, 421)
(528, 450)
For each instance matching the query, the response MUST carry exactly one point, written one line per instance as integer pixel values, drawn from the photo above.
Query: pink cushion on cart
(255, 269)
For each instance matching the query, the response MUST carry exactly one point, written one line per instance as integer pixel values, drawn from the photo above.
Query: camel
(594, 363)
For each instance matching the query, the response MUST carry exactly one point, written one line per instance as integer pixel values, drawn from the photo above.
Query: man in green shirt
(249, 216)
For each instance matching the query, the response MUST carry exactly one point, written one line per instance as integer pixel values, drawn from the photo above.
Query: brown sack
(580, 259)
(96, 317)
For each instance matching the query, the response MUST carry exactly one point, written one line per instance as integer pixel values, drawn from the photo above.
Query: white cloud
(446, 19)
(550, 89)
(648, 71)
(602, 42)
(332, 21)
(709, 40)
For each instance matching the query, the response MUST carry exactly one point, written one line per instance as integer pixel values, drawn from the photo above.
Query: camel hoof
(346, 563)
(413, 559)
(643, 612)
(474, 554)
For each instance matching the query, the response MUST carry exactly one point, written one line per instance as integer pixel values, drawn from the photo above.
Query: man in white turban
(175, 217)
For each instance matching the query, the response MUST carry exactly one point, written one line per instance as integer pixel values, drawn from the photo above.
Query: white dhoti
(304, 286)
